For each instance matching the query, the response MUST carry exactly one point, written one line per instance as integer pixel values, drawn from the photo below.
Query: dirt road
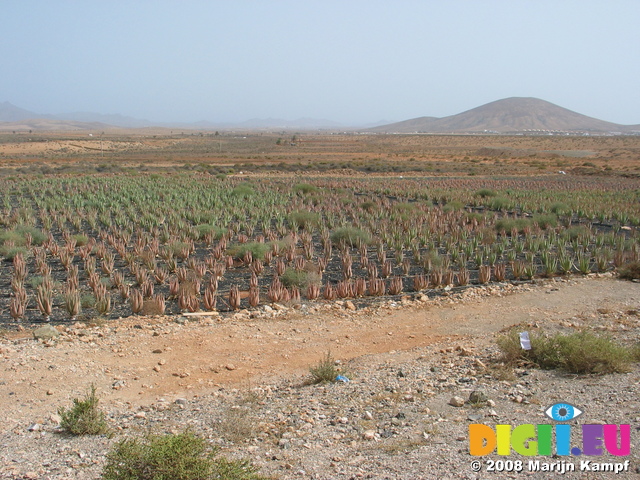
(138, 360)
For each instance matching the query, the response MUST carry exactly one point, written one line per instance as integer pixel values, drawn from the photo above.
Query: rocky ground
(242, 381)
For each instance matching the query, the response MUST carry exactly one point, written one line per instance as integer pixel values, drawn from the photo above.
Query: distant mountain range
(510, 115)
(21, 119)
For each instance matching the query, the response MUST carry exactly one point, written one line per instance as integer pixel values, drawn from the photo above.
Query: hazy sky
(351, 61)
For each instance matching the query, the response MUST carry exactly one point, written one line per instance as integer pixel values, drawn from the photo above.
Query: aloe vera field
(97, 236)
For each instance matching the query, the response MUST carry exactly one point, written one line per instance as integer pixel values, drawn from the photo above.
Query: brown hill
(510, 115)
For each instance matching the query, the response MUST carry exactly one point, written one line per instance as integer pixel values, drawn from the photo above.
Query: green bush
(560, 208)
(299, 278)
(545, 221)
(581, 352)
(500, 203)
(87, 300)
(81, 240)
(257, 250)
(404, 207)
(508, 224)
(369, 206)
(181, 456)
(84, 417)
(453, 206)
(17, 236)
(10, 252)
(176, 247)
(304, 189)
(585, 352)
(351, 235)
(304, 219)
(486, 192)
(243, 190)
(574, 233)
(208, 229)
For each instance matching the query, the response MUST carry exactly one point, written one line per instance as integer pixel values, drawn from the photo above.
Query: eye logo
(563, 412)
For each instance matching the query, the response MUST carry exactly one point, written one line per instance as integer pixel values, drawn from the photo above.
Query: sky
(350, 61)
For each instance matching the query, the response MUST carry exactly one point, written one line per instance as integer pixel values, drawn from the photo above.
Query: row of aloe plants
(117, 245)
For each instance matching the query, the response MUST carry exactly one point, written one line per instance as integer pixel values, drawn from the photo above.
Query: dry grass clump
(325, 370)
(630, 271)
(581, 352)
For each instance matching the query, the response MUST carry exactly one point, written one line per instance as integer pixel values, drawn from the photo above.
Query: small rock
(181, 401)
(369, 435)
(35, 427)
(45, 333)
(157, 350)
(230, 366)
(118, 384)
(478, 396)
(349, 305)
(284, 443)
(368, 415)
(456, 401)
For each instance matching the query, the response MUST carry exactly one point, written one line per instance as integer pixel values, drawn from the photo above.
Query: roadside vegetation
(580, 353)
(181, 456)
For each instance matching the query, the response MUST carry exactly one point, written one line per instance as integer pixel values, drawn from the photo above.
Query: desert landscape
(320, 304)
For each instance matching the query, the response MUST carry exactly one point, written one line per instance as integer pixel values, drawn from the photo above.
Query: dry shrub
(581, 352)
(630, 271)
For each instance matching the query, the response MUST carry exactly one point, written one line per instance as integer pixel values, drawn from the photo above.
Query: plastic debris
(525, 341)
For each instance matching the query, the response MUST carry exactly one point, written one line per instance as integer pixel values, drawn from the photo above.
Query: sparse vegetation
(85, 416)
(581, 352)
(630, 271)
(325, 370)
(182, 456)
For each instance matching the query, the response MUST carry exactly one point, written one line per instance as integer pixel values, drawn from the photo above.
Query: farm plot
(91, 247)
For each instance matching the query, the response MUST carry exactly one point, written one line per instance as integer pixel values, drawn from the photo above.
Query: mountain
(510, 115)
(278, 123)
(11, 113)
(14, 118)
